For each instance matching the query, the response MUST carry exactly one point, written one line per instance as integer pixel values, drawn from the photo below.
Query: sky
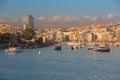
(59, 13)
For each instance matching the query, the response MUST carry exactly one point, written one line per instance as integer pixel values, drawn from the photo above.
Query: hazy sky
(57, 12)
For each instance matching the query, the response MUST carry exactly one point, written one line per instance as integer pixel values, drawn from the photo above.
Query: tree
(5, 38)
(28, 34)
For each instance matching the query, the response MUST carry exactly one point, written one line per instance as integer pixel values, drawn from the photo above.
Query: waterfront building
(73, 36)
(52, 36)
(44, 39)
(90, 37)
(107, 36)
(59, 36)
(81, 37)
(99, 37)
(117, 35)
(66, 36)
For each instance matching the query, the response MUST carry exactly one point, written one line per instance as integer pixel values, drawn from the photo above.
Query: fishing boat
(57, 47)
(102, 48)
(75, 45)
(90, 48)
(93, 46)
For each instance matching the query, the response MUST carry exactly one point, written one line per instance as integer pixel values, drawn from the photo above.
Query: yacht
(102, 48)
(13, 50)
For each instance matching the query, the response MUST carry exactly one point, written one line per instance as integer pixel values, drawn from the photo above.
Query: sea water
(48, 64)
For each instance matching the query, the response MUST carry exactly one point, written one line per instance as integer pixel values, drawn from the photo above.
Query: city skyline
(60, 13)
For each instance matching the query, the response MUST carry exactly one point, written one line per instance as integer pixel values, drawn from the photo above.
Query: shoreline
(25, 46)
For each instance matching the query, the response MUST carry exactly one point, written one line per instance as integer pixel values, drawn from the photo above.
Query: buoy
(39, 52)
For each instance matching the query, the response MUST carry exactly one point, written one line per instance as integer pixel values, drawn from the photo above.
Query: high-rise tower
(28, 22)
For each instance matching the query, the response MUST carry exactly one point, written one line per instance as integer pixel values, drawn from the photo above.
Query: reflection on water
(67, 64)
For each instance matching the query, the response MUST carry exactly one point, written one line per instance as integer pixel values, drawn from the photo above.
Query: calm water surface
(48, 64)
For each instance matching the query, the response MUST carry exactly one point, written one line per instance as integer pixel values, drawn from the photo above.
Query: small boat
(74, 47)
(57, 47)
(91, 48)
(80, 46)
(13, 50)
(102, 48)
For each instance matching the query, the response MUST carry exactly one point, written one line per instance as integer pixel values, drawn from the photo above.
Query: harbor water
(48, 64)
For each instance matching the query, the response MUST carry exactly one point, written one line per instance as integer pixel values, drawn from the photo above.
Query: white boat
(102, 48)
(13, 50)
(75, 45)
(93, 46)
(90, 48)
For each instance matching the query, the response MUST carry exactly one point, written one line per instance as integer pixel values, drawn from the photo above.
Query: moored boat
(13, 50)
(102, 48)
(93, 46)
(57, 47)
(73, 47)
(90, 48)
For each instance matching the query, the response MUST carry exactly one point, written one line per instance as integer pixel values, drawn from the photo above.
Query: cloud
(15, 20)
(41, 18)
(11, 21)
(71, 20)
(2, 20)
(64, 19)
(54, 19)
(110, 16)
(90, 18)
(8, 21)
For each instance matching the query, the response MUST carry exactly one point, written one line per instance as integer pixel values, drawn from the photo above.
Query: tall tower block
(28, 22)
